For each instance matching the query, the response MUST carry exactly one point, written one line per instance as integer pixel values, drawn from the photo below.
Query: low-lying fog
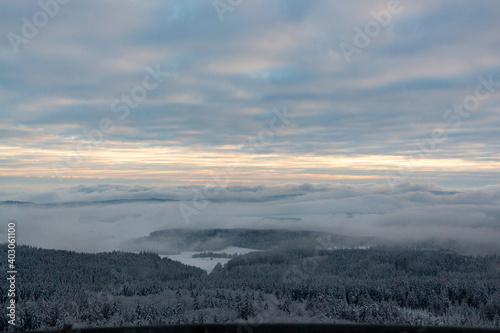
(99, 218)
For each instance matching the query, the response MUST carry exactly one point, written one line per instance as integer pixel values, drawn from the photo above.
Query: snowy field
(206, 264)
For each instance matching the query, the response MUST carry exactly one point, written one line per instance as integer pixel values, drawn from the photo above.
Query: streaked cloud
(353, 122)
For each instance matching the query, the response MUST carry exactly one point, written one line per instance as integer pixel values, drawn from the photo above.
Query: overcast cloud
(352, 121)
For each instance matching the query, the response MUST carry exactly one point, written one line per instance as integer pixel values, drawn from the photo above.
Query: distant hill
(173, 241)
(86, 203)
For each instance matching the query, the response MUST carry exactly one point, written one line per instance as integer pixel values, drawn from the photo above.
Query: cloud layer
(98, 218)
(352, 121)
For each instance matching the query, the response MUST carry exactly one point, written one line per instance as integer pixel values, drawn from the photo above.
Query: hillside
(174, 241)
(377, 286)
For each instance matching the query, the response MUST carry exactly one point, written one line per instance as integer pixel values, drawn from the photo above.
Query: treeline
(214, 255)
(53, 285)
(380, 286)
(377, 286)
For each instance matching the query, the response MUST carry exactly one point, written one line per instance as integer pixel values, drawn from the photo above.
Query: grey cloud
(229, 75)
(412, 212)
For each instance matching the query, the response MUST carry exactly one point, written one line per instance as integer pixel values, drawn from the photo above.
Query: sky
(173, 97)
(173, 92)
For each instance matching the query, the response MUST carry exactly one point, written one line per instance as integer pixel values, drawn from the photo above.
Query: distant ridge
(174, 241)
(85, 203)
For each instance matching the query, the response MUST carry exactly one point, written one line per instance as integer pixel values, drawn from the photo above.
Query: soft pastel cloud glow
(354, 121)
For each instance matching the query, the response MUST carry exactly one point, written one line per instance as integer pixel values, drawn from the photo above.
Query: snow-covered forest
(381, 285)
